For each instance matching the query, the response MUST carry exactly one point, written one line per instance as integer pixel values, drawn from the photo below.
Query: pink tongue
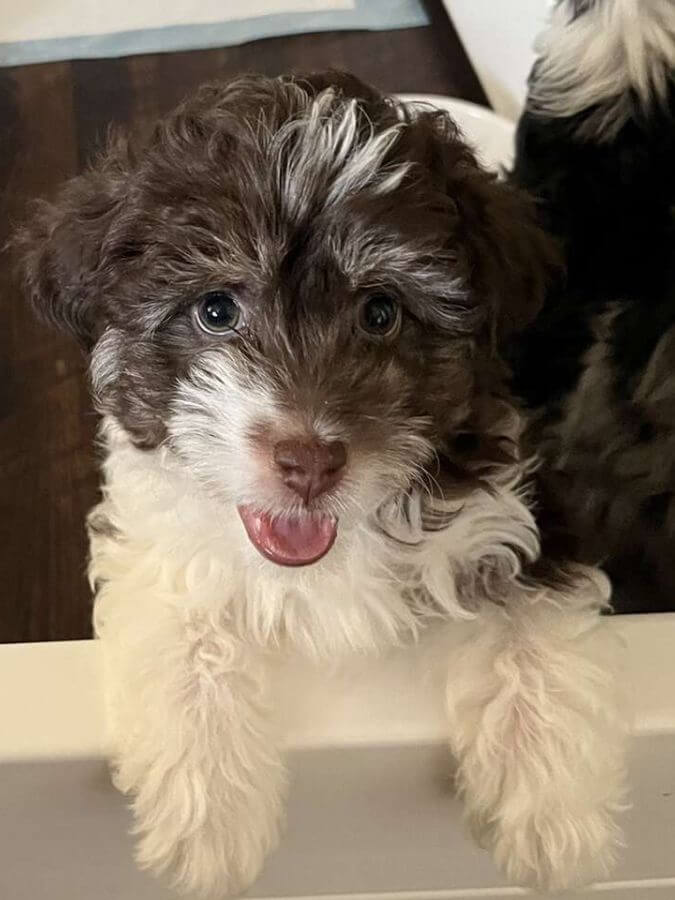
(289, 541)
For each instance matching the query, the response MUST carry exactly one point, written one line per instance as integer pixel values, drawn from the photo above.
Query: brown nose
(310, 468)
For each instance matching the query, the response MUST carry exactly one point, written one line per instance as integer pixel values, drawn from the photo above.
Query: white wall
(498, 36)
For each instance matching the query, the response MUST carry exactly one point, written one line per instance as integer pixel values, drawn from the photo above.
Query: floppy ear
(512, 259)
(60, 248)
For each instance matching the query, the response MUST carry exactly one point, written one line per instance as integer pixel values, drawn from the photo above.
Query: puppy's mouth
(295, 540)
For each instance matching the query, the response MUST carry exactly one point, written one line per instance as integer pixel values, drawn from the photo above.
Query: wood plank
(47, 473)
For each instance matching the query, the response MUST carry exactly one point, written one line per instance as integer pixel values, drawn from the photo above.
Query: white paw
(554, 850)
(210, 837)
(216, 861)
(549, 818)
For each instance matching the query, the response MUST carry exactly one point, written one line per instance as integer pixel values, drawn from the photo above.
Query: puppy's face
(296, 286)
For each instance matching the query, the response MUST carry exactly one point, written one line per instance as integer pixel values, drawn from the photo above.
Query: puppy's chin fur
(382, 581)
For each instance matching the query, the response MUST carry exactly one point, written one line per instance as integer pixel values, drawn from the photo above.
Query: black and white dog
(295, 298)
(597, 147)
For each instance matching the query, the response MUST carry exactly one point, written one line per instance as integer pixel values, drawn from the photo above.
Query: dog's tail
(596, 142)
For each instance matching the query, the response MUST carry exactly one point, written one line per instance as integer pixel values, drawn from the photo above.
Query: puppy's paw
(555, 850)
(214, 862)
(210, 839)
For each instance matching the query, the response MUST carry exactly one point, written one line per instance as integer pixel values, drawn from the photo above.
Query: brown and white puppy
(293, 296)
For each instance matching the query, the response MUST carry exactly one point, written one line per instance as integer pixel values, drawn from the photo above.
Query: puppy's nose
(310, 468)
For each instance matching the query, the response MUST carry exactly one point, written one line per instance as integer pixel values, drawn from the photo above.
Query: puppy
(293, 297)
(596, 145)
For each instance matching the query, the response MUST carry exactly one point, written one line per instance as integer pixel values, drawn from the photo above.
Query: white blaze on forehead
(327, 150)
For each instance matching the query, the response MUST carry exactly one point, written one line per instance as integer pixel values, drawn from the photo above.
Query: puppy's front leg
(194, 748)
(536, 728)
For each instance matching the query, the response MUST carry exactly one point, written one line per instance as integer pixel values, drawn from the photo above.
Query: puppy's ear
(514, 260)
(59, 250)
(511, 260)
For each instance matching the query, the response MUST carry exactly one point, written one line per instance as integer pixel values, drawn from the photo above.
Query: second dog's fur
(596, 147)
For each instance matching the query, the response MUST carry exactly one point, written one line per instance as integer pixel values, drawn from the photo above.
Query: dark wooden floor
(52, 117)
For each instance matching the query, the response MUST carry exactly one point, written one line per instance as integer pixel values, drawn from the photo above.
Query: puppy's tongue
(289, 540)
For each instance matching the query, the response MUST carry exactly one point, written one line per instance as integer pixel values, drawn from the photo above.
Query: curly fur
(301, 196)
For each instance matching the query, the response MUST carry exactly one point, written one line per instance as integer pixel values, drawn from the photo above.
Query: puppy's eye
(217, 312)
(379, 314)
